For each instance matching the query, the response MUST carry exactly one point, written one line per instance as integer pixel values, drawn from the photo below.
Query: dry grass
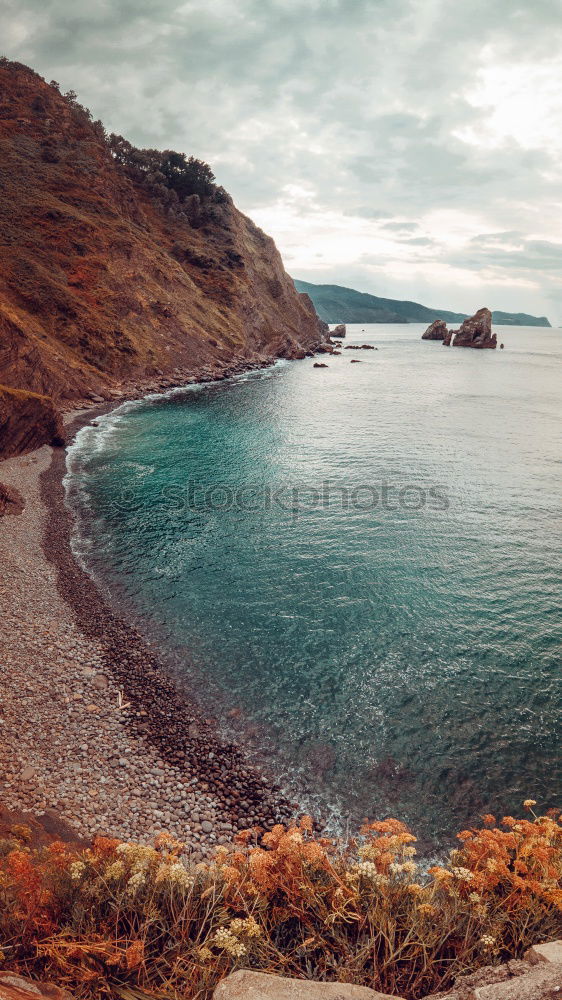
(122, 918)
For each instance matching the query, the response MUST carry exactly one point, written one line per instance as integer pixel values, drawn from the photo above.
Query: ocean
(357, 569)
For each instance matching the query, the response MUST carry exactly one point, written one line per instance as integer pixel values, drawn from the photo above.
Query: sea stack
(437, 330)
(476, 331)
(339, 331)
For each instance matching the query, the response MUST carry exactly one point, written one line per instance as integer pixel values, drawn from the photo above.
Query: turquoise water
(390, 634)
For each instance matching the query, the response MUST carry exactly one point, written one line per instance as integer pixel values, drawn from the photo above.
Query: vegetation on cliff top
(170, 176)
(178, 182)
(118, 917)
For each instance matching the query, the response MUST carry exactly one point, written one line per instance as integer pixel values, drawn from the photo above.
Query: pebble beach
(92, 728)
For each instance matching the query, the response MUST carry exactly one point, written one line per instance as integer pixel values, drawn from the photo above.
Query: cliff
(27, 420)
(336, 304)
(103, 281)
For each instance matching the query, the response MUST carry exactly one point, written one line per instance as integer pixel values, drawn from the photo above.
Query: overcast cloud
(410, 148)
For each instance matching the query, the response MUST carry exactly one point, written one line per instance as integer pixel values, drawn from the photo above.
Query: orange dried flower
(243, 836)
(306, 824)
(134, 954)
(104, 847)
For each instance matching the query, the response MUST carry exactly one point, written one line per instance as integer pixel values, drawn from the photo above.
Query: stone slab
(544, 982)
(247, 985)
(549, 952)
(14, 987)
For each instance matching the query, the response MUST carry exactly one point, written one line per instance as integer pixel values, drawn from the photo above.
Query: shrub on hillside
(121, 916)
(175, 180)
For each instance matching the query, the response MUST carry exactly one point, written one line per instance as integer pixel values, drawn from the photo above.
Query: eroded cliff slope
(101, 281)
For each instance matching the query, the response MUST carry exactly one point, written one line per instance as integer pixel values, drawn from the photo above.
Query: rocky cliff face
(27, 420)
(99, 284)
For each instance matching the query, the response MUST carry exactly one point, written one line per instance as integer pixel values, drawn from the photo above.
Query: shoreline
(93, 728)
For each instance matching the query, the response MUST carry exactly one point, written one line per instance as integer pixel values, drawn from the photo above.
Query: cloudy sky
(411, 148)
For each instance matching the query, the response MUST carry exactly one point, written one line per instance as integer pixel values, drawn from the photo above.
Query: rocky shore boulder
(11, 501)
(436, 331)
(339, 331)
(474, 332)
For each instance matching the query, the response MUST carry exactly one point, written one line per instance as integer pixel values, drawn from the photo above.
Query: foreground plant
(121, 917)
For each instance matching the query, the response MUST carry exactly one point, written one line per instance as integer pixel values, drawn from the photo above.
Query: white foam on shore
(94, 439)
(97, 437)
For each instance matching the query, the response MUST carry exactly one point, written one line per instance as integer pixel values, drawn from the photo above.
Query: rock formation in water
(475, 332)
(339, 331)
(108, 275)
(436, 331)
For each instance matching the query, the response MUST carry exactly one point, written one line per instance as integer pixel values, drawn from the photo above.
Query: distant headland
(336, 304)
